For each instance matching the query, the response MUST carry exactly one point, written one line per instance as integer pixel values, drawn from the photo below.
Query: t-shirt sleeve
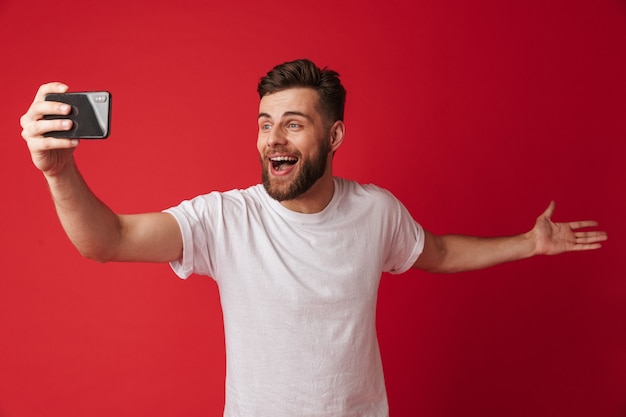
(193, 219)
(405, 239)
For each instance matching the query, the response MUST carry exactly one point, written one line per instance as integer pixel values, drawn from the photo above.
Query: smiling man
(297, 259)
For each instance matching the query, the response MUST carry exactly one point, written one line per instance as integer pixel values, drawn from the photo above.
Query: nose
(276, 137)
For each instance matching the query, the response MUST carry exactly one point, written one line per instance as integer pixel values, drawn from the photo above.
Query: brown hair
(304, 73)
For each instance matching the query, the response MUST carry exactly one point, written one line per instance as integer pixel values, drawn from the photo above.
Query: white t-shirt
(298, 293)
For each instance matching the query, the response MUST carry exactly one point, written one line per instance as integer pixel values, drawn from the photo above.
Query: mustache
(279, 150)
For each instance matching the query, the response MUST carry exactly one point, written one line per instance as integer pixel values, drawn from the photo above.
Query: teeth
(283, 159)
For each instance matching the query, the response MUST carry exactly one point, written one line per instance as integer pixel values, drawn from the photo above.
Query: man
(297, 259)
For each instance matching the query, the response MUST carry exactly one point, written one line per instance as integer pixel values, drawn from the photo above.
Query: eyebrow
(287, 114)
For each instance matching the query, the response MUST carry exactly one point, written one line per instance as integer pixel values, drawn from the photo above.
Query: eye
(294, 125)
(265, 126)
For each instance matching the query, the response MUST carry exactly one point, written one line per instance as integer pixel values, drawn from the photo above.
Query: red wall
(475, 114)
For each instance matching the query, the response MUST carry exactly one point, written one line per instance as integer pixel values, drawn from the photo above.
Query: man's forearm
(93, 228)
(466, 253)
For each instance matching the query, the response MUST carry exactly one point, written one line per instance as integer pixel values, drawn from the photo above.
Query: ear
(337, 133)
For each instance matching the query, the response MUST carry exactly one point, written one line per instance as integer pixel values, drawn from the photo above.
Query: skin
(290, 125)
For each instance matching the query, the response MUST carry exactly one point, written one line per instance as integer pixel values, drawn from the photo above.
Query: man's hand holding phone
(50, 155)
(57, 119)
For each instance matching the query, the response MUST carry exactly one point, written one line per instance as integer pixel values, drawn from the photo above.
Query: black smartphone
(90, 114)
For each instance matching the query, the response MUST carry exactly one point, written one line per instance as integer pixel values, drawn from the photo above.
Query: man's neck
(315, 199)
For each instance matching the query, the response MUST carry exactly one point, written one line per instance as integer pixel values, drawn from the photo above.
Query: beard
(310, 171)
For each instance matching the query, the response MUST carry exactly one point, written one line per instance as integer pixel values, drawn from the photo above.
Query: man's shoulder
(253, 195)
(354, 196)
(254, 191)
(355, 188)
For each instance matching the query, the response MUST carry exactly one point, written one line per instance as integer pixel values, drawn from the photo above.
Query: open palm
(554, 238)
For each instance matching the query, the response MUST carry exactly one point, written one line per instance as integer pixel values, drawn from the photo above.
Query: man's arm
(96, 231)
(456, 253)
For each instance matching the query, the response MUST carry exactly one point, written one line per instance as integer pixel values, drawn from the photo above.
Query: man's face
(293, 142)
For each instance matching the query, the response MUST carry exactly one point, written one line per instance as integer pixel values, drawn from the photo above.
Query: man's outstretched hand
(554, 238)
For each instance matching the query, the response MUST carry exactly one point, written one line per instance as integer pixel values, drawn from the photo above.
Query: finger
(37, 129)
(590, 234)
(54, 87)
(588, 246)
(590, 237)
(582, 224)
(47, 144)
(38, 109)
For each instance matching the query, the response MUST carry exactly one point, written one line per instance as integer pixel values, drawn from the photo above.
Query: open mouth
(282, 163)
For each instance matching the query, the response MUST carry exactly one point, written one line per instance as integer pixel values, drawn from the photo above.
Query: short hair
(304, 73)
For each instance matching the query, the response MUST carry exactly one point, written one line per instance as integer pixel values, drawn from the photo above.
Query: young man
(297, 259)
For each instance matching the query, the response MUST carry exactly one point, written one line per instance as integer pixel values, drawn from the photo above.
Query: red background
(475, 114)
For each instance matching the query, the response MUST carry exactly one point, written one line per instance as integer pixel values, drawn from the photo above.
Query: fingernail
(66, 123)
(64, 108)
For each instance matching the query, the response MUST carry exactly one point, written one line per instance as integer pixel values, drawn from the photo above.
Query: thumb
(550, 210)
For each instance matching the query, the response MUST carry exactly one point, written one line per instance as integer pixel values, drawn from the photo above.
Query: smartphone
(90, 114)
